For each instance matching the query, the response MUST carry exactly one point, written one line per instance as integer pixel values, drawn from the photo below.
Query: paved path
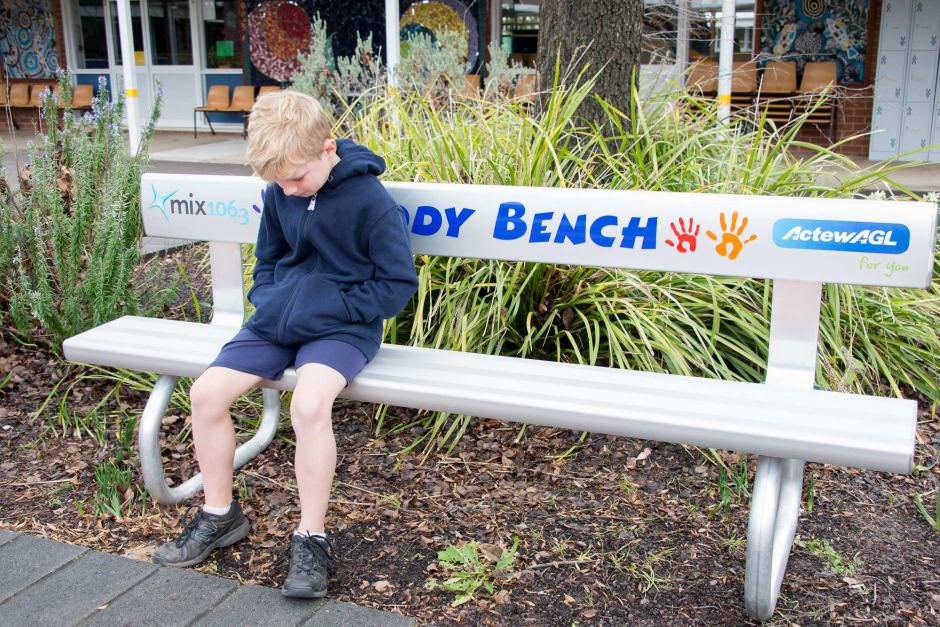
(43, 582)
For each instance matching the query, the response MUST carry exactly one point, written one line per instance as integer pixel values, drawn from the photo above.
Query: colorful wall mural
(279, 29)
(817, 30)
(27, 39)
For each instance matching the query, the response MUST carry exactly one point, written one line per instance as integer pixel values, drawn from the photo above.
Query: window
(520, 30)
(92, 44)
(222, 35)
(138, 34)
(170, 37)
(705, 29)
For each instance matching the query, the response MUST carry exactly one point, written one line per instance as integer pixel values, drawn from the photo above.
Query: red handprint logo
(685, 236)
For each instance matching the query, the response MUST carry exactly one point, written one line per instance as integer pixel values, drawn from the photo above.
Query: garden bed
(612, 530)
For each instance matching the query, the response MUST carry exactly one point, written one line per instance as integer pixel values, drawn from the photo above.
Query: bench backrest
(863, 242)
(799, 242)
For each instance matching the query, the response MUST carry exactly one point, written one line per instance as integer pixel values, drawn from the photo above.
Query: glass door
(169, 30)
(163, 56)
(139, 60)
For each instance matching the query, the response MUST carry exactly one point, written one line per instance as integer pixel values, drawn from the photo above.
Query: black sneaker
(311, 564)
(203, 532)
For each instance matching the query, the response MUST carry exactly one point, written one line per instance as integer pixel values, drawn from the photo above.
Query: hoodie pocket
(252, 295)
(317, 309)
(269, 300)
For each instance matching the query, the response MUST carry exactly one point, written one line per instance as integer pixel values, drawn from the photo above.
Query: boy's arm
(271, 244)
(395, 278)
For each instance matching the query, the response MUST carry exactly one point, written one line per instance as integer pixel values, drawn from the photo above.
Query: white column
(130, 73)
(682, 39)
(496, 22)
(391, 40)
(725, 58)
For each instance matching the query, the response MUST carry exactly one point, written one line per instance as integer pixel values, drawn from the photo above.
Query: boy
(333, 260)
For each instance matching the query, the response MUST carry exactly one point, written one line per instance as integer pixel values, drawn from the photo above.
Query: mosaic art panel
(817, 30)
(27, 39)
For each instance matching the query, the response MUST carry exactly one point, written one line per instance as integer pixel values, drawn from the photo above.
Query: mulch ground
(617, 531)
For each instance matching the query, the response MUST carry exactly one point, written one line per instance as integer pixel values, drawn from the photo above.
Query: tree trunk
(610, 30)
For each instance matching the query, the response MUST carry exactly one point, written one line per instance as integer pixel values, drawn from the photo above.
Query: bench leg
(775, 508)
(151, 462)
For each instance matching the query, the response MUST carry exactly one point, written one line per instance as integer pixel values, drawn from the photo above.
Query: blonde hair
(285, 129)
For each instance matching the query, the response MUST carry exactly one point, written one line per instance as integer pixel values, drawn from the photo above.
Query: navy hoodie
(334, 266)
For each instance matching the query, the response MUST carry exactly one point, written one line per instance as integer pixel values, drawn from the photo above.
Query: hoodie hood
(354, 160)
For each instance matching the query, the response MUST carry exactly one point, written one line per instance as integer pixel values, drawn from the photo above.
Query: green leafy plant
(431, 66)
(467, 573)
(113, 482)
(871, 339)
(821, 548)
(336, 81)
(932, 519)
(70, 230)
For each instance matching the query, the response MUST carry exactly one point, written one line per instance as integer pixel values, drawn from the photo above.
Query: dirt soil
(612, 531)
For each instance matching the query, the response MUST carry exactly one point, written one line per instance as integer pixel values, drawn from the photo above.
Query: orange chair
(777, 91)
(743, 83)
(526, 87)
(471, 86)
(216, 101)
(268, 89)
(19, 95)
(816, 97)
(779, 78)
(243, 99)
(703, 78)
(82, 97)
(36, 91)
(817, 77)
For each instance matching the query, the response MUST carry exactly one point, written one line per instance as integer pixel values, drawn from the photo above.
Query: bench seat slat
(819, 426)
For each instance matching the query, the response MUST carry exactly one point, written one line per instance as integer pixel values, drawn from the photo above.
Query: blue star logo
(162, 204)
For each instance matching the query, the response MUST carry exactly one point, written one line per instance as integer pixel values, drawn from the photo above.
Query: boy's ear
(329, 145)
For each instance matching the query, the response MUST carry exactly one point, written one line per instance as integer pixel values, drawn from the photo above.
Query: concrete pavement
(44, 582)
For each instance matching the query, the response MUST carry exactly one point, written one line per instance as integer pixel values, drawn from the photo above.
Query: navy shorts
(251, 353)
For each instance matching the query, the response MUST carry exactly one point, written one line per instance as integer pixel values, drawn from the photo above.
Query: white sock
(307, 534)
(217, 511)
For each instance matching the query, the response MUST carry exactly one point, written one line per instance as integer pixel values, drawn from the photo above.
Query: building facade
(887, 52)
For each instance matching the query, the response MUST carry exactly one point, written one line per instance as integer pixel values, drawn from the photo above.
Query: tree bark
(607, 32)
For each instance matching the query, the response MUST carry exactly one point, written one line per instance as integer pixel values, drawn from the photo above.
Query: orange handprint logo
(685, 236)
(731, 244)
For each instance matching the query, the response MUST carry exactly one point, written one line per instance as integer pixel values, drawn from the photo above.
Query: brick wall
(853, 117)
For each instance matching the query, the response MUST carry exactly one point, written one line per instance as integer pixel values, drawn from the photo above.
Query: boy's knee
(207, 400)
(309, 413)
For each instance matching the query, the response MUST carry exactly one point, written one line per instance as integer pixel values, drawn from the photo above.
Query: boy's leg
(312, 561)
(212, 394)
(214, 437)
(315, 456)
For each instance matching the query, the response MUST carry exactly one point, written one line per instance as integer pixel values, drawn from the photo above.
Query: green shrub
(872, 340)
(70, 232)
(334, 81)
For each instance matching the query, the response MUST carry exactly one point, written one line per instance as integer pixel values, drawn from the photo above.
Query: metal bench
(800, 243)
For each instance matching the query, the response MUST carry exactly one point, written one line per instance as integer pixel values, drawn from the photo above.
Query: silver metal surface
(827, 427)
(778, 483)
(151, 461)
(620, 228)
(228, 290)
(775, 508)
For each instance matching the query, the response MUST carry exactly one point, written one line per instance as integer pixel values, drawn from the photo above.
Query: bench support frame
(228, 310)
(778, 483)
